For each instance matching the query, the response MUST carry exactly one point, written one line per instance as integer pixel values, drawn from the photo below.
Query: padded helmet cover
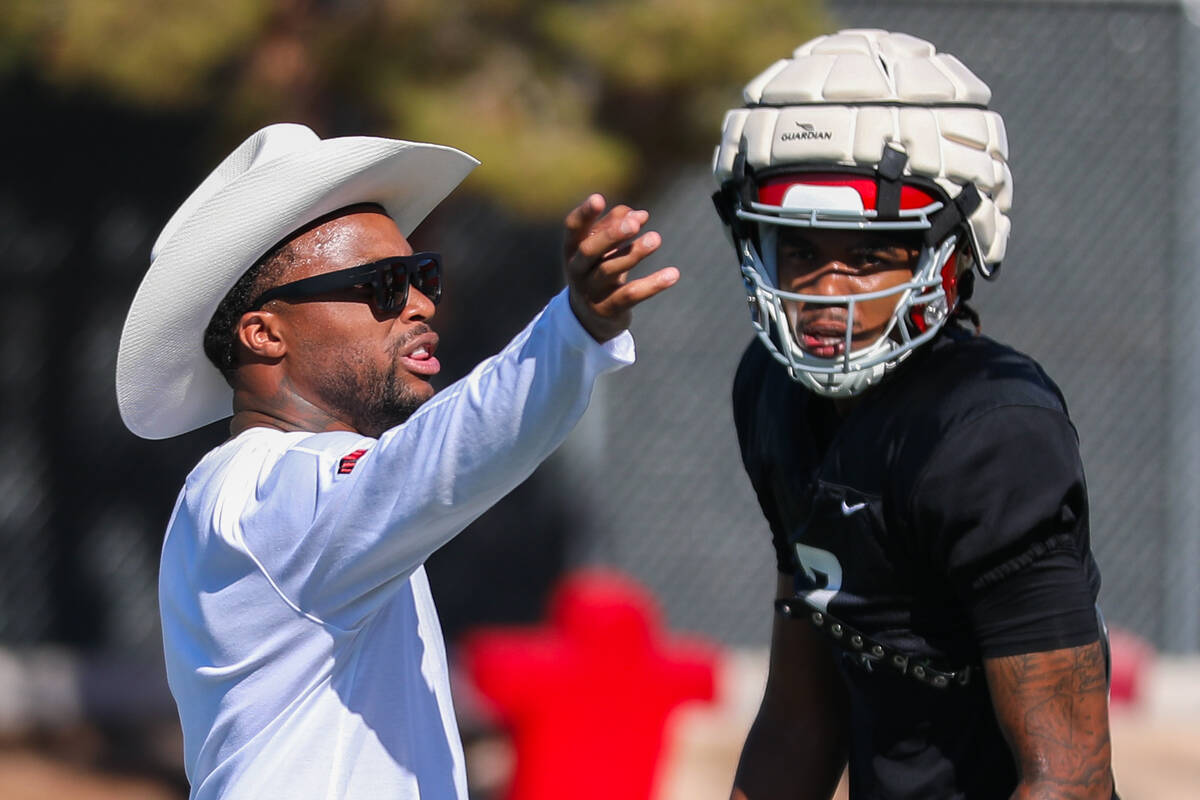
(842, 98)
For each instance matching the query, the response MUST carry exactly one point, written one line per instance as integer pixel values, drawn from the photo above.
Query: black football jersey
(916, 519)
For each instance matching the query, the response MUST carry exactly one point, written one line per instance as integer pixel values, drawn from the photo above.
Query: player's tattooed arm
(1053, 710)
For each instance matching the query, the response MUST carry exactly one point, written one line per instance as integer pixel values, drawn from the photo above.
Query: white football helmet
(865, 130)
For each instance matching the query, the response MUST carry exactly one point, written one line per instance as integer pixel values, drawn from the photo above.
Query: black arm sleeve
(1001, 510)
(1045, 606)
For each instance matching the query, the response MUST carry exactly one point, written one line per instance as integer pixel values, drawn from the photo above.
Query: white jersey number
(823, 569)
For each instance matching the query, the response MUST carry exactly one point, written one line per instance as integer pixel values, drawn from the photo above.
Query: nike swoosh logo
(848, 510)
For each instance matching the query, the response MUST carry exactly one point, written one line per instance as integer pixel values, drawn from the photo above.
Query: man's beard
(371, 399)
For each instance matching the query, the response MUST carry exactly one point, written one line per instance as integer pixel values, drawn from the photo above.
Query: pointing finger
(641, 289)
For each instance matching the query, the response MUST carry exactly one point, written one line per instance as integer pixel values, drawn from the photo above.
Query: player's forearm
(788, 759)
(1053, 709)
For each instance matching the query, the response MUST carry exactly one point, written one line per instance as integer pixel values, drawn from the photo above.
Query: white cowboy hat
(281, 178)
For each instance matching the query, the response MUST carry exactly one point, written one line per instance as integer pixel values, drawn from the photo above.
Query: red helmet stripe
(772, 190)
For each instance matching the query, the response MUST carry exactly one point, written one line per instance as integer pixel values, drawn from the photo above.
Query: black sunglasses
(388, 277)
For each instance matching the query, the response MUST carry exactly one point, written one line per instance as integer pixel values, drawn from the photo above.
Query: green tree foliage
(553, 97)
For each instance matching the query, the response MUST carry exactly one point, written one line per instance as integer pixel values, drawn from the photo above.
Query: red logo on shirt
(347, 463)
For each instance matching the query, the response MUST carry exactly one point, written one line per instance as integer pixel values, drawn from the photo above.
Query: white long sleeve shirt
(302, 645)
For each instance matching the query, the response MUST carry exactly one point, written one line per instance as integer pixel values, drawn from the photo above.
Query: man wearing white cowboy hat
(302, 645)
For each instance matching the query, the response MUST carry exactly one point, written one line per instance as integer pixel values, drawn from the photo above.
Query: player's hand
(599, 251)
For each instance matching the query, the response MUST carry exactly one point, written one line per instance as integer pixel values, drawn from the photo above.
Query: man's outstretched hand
(599, 251)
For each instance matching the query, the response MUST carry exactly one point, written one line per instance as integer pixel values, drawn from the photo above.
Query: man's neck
(282, 410)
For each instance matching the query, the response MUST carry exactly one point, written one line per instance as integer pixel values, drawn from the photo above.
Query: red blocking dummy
(587, 695)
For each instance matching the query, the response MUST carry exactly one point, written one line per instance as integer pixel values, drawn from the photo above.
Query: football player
(936, 625)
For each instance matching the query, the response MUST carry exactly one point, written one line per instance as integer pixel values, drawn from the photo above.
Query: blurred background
(115, 109)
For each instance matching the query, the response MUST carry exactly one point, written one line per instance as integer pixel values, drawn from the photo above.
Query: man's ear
(260, 334)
